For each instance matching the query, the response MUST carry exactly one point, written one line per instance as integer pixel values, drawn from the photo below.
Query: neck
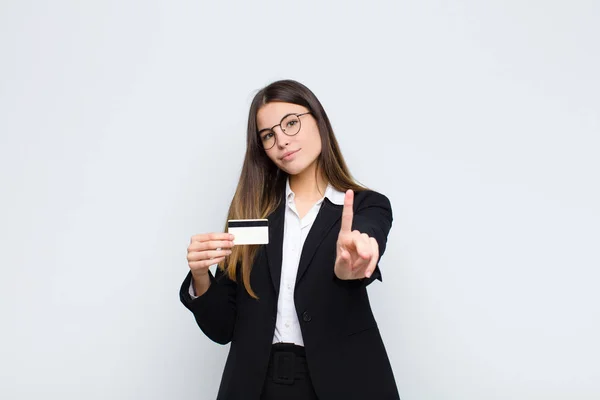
(308, 185)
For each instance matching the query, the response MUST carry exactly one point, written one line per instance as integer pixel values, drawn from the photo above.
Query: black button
(306, 316)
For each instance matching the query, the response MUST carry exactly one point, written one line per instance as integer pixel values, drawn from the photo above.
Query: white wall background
(122, 134)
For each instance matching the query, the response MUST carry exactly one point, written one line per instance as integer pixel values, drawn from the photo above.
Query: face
(292, 154)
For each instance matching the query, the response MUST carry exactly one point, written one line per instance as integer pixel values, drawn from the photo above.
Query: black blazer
(344, 351)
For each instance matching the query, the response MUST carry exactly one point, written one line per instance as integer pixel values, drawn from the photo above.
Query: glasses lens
(290, 125)
(268, 139)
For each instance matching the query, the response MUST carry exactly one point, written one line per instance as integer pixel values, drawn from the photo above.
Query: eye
(291, 123)
(266, 136)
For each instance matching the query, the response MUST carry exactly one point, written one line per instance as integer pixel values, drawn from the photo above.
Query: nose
(281, 138)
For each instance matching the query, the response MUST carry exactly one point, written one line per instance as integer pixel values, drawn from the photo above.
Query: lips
(289, 153)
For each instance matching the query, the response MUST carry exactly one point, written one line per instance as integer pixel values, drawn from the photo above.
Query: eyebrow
(282, 118)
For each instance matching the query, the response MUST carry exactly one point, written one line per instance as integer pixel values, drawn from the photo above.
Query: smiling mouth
(289, 154)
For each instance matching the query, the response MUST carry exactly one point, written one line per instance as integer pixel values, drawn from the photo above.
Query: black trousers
(287, 376)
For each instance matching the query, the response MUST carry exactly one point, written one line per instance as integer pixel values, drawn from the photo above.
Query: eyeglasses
(290, 125)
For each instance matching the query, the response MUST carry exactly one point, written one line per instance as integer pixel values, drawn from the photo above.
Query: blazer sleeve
(215, 310)
(373, 216)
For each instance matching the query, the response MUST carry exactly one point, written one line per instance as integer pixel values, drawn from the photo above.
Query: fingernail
(231, 237)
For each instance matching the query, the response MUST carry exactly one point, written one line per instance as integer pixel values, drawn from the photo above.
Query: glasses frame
(272, 129)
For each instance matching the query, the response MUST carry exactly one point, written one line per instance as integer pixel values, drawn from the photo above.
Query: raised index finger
(347, 213)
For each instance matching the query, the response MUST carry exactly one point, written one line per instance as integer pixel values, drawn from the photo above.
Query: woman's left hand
(357, 253)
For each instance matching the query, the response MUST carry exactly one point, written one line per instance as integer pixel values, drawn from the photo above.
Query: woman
(296, 310)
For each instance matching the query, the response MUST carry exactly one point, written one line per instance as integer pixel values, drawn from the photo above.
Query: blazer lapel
(275, 245)
(328, 215)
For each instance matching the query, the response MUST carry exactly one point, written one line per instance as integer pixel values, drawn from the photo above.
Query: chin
(292, 170)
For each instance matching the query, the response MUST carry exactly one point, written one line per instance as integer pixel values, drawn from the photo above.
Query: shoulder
(370, 198)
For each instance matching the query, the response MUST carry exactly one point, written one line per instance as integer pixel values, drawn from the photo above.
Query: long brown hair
(261, 186)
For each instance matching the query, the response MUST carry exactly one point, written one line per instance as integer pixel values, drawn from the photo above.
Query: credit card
(249, 231)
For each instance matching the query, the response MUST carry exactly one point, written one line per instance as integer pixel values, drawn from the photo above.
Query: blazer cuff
(188, 297)
(363, 282)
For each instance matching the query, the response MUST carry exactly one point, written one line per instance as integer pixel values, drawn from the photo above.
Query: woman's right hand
(207, 249)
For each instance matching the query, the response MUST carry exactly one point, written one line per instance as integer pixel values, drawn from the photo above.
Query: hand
(356, 253)
(203, 251)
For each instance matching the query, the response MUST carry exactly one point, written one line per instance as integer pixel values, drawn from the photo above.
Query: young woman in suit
(296, 311)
